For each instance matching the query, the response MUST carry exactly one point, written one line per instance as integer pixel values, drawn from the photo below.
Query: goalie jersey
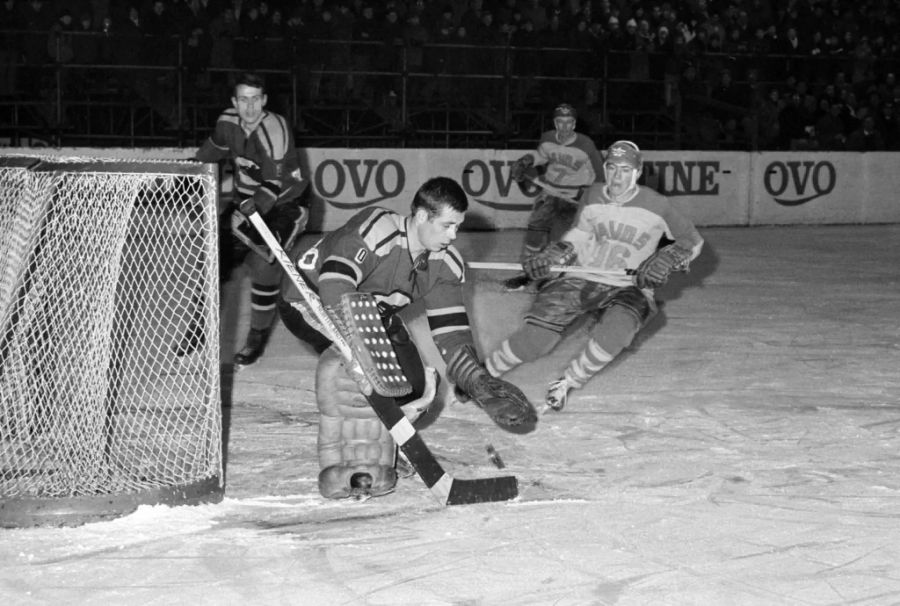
(613, 237)
(370, 253)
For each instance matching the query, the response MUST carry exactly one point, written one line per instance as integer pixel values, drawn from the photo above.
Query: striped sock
(263, 305)
(502, 360)
(589, 362)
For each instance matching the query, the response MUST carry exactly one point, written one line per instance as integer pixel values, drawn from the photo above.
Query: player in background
(267, 178)
(400, 260)
(572, 163)
(620, 226)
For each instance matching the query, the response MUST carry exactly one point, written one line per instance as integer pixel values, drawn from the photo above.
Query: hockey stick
(582, 269)
(572, 195)
(447, 489)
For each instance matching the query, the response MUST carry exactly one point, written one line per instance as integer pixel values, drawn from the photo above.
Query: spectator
(250, 51)
(159, 25)
(366, 34)
(526, 64)
(59, 44)
(85, 43)
(888, 123)
(36, 19)
(792, 123)
(9, 47)
(731, 103)
(534, 11)
(415, 37)
(866, 137)
(223, 30)
(767, 120)
(830, 128)
(390, 59)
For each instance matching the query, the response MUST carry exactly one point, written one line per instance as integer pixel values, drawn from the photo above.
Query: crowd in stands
(787, 74)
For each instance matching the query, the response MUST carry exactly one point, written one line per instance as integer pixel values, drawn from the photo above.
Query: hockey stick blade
(483, 490)
(447, 489)
(442, 485)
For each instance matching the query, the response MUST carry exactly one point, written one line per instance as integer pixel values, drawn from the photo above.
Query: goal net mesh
(105, 268)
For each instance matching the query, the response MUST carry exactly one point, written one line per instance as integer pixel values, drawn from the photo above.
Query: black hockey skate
(192, 340)
(257, 339)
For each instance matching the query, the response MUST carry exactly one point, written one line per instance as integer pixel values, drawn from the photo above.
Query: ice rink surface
(744, 450)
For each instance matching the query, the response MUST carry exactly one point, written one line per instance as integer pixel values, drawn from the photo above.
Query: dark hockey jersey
(370, 253)
(266, 167)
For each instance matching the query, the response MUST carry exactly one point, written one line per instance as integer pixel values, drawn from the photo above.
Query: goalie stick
(447, 489)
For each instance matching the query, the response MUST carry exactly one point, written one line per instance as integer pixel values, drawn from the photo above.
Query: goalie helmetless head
(622, 168)
(564, 117)
(438, 210)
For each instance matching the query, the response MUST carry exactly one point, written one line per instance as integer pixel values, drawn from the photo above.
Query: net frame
(105, 266)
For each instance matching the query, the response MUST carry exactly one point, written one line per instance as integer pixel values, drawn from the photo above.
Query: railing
(156, 92)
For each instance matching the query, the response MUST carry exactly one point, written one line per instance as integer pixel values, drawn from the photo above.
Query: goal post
(105, 266)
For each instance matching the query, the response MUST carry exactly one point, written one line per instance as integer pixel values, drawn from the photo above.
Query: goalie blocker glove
(655, 270)
(501, 400)
(538, 265)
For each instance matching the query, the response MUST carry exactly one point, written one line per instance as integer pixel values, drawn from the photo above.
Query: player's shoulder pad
(230, 116)
(548, 136)
(454, 261)
(651, 195)
(584, 142)
(593, 193)
(380, 228)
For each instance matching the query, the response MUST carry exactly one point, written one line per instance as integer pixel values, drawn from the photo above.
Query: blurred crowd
(785, 74)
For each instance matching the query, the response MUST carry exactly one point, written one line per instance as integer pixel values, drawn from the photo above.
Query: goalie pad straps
(356, 451)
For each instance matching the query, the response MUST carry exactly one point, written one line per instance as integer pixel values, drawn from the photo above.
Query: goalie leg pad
(356, 451)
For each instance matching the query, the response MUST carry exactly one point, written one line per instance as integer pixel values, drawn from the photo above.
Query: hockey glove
(521, 166)
(501, 400)
(353, 367)
(655, 270)
(538, 265)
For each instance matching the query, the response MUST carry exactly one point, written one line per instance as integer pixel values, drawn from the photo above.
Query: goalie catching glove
(520, 167)
(501, 400)
(538, 265)
(655, 270)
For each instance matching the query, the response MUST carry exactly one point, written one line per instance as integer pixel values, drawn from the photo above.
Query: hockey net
(105, 267)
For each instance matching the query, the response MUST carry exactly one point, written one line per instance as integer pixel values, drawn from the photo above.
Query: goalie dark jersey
(370, 253)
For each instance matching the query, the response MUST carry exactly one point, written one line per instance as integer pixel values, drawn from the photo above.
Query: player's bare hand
(415, 409)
